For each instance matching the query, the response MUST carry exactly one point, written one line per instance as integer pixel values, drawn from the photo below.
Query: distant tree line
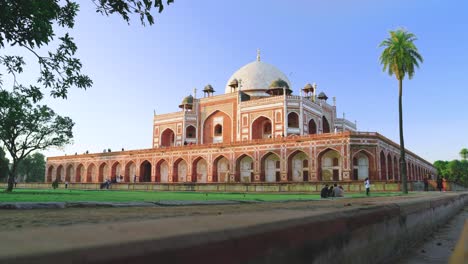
(30, 169)
(455, 170)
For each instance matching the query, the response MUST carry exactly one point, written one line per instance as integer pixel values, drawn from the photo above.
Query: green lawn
(41, 195)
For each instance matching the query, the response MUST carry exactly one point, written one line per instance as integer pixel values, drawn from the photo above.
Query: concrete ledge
(365, 234)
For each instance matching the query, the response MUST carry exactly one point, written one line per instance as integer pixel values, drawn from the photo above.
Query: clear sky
(334, 43)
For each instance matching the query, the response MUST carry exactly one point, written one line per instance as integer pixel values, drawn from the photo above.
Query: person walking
(367, 185)
(439, 183)
(426, 184)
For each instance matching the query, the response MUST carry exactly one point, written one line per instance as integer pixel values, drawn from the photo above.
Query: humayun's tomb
(257, 131)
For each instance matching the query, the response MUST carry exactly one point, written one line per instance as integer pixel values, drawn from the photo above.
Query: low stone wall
(349, 186)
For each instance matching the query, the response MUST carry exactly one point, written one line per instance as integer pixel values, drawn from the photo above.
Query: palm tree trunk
(404, 180)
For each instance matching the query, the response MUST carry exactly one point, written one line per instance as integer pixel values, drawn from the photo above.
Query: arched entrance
(244, 169)
(293, 120)
(162, 171)
(217, 128)
(91, 175)
(103, 172)
(270, 168)
(145, 171)
(79, 175)
(325, 125)
(130, 172)
(221, 169)
(396, 171)
(199, 170)
(389, 167)
(179, 171)
(69, 173)
(361, 164)
(383, 166)
(167, 138)
(330, 165)
(50, 171)
(312, 127)
(60, 173)
(116, 172)
(298, 167)
(261, 128)
(190, 132)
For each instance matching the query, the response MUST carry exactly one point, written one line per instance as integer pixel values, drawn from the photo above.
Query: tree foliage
(26, 127)
(454, 170)
(4, 165)
(30, 25)
(125, 8)
(400, 58)
(464, 153)
(32, 168)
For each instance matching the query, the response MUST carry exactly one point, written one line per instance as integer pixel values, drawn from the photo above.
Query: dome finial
(258, 54)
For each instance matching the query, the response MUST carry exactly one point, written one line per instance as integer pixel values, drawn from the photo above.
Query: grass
(48, 195)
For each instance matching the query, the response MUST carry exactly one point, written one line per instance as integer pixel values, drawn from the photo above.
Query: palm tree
(464, 153)
(400, 58)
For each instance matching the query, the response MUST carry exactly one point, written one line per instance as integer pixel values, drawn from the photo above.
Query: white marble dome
(256, 77)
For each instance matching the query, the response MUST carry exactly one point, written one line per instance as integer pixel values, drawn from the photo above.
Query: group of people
(441, 184)
(338, 191)
(106, 184)
(332, 191)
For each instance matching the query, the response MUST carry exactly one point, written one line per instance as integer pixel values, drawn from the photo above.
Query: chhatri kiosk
(257, 131)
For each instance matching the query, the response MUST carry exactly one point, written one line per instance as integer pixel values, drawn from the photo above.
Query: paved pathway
(438, 247)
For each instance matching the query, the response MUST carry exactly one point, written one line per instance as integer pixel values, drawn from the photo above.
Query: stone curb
(63, 205)
(168, 203)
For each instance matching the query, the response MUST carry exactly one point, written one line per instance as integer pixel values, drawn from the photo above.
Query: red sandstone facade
(326, 157)
(256, 132)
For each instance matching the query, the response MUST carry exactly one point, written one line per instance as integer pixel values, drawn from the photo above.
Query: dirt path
(15, 219)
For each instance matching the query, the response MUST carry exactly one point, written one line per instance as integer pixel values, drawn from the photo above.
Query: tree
(32, 168)
(464, 153)
(26, 127)
(400, 58)
(4, 165)
(442, 168)
(30, 24)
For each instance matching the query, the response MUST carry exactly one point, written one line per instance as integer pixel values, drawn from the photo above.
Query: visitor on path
(426, 184)
(66, 184)
(439, 183)
(134, 178)
(324, 191)
(367, 185)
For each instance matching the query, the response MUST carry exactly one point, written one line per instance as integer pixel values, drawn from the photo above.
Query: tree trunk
(404, 180)
(11, 181)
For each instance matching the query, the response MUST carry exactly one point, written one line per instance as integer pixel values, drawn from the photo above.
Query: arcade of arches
(272, 164)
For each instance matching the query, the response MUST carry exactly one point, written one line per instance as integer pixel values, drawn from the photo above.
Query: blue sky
(334, 43)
